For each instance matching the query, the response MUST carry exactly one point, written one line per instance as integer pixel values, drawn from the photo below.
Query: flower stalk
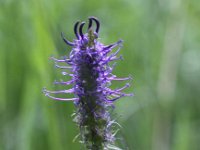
(91, 76)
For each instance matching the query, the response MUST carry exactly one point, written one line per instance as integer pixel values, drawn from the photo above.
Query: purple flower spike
(91, 75)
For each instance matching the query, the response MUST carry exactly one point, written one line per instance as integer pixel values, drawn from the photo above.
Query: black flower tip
(75, 29)
(66, 41)
(81, 29)
(97, 23)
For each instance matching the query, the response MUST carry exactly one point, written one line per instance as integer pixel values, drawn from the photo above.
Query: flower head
(91, 76)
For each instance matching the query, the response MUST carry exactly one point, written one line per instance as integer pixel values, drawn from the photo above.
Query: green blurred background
(161, 52)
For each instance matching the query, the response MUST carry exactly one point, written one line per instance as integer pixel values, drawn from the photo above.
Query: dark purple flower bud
(91, 75)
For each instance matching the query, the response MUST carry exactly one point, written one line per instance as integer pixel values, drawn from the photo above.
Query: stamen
(112, 147)
(104, 61)
(61, 99)
(111, 68)
(62, 67)
(64, 83)
(124, 87)
(58, 92)
(116, 58)
(113, 122)
(122, 95)
(119, 79)
(116, 93)
(115, 53)
(66, 73)
(112, 45)
(60, 60)
(114, 99)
